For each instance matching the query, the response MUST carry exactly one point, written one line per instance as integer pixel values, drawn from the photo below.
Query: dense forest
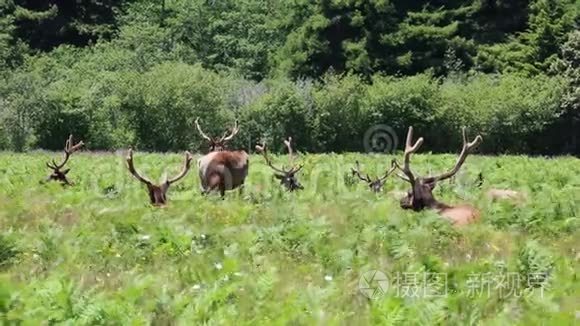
(123, 73)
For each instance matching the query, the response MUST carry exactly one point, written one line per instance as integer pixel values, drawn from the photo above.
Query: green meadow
(98, 253)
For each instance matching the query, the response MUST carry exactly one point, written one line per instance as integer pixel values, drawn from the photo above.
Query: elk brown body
(158, 193)
(222, 169)
(58, 174)
(421, 194)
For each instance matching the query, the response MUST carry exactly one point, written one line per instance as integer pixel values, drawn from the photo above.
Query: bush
(101, 96)
(509, 111)
(339, 121)
(287, 109)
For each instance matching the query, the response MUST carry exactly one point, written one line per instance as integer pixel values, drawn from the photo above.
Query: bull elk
(158, 193)
(222, 169)
(421, 194)
(287, 177)
(57, 173)
(376, 184)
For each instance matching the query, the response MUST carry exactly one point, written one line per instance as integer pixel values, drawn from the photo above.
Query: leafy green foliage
(78, 255)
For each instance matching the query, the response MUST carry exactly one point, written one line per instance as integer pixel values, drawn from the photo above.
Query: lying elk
(287, 177)
(421, 194)
(58, 174)
(376, 184)
(158, 193)
(222, 169)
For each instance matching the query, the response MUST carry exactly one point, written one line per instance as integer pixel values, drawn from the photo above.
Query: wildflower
(196, 287)
(328, 278)
(218, 266)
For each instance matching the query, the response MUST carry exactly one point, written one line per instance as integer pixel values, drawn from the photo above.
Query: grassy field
(97, 253)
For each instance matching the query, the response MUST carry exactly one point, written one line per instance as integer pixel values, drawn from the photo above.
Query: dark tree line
(91, 65)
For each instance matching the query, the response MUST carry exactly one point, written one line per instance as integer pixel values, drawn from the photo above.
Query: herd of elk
(222, 169)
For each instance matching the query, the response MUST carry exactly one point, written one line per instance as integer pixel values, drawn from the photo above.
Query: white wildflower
(218, 266)
(328, 278)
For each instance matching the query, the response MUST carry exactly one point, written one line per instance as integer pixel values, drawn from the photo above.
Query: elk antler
(133, 171)
(467, 148)
(186, 166)
(389, 171)
(288, 144)
(69, 148)
(206, 137)
(368, 179)
(262, 149)
(233, 132)
(356, 171)
(409, 149)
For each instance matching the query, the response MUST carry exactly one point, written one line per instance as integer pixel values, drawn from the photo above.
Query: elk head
(421, 194)
(58, 174)
(376, 184)
(158, 193)
(218, 143)
(287, 177)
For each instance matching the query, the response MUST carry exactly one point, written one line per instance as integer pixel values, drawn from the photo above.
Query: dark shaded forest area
(137, 73)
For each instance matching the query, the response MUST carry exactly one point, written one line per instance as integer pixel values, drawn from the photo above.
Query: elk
(421, 194)
(57, 173)
(158, 193)
(512, 196)
(287, 177)
(222, 169)
(376, 184)
(218, 144)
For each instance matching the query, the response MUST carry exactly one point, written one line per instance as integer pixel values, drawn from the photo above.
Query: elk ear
(65, 171)
(279, 176)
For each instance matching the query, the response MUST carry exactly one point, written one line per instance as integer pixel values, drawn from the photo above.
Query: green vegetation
(97, 253)
(136, 73)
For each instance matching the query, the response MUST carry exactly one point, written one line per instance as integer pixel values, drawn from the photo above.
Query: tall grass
(97, 253)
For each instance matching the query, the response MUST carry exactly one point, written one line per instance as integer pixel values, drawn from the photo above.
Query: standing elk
(421, 194)
(222, 169)
(376, 184)
(287, 177)
(57, 173)
(158, 193)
